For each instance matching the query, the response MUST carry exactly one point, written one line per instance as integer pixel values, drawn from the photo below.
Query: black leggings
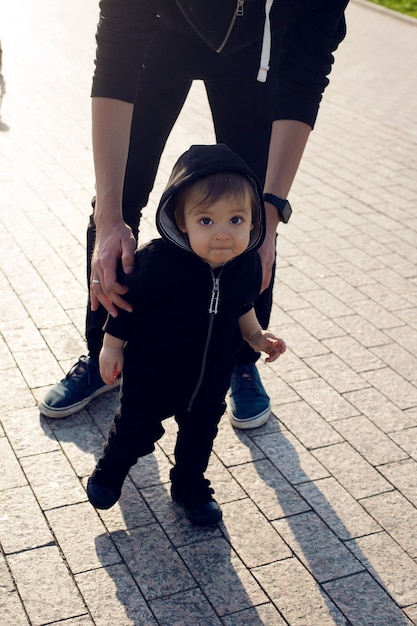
(241, 111)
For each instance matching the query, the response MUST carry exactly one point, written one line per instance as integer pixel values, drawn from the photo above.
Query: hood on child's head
(198, 162)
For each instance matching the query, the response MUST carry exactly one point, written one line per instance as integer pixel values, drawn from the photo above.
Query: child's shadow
(338, 571)
(168, 568)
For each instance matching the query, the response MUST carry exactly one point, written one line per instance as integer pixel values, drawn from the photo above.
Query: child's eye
(236, 219)
(206, 221)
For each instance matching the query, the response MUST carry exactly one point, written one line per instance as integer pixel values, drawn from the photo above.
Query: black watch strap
(282, 206)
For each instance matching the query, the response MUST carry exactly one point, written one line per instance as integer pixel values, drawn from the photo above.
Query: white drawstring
(266, 44)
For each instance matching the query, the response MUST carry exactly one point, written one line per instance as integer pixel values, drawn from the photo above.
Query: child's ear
(179, 219)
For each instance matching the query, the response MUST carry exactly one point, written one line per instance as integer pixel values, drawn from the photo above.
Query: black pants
(241, 110)
(135, 430)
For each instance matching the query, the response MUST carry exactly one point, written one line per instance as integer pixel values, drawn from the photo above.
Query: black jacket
(311, 30)
(183, 335)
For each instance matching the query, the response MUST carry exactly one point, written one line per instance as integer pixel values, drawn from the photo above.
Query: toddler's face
(220, 231)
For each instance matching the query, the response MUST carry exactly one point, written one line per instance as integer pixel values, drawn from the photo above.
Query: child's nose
(222, 232)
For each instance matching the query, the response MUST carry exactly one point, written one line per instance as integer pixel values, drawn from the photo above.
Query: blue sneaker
(82, 383)
(250, 406)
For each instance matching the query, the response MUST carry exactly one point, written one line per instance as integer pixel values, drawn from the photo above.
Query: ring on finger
(95, 281)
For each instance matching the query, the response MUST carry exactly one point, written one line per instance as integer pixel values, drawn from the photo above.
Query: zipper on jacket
(237, 13)
(213, 308)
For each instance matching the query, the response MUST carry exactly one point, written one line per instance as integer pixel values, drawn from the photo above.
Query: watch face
(285, 212)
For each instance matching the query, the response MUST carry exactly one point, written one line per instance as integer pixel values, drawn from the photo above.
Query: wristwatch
(282, 206)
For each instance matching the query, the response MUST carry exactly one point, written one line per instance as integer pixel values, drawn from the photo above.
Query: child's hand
(264, 341)
(274, 348)
(111, 364)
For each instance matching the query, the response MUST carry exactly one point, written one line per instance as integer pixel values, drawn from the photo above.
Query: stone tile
(354, 354)
(294, 369)
(153, 562)
(302, 343)
(221, 576)
(262, 615)
(41, 577)
(297, 595)
(411, 613)
(65, 340)
(187, 607)
(290, 457)
(361, 328)
(150, 470)
(82, 537)
(381, 411)
(17, 506)
(268, 489)
(53, 480)
(16, 394)
(322, 553)
(307, 425)
(403, 476)
(28, 432)
(11, 610)
(234, 446)
(226, 488)
(172, 518)
(317, 324)
(329, 304)
(251, 535)
(6, 358)
(395, 571)
(397, 516)
(112, 597)
(80, 439)
(11, 474)
(338, 509)
(324, 399)
(369, 441)
(399, 359)
(336, 373)
(131, 511)
(393, 386)
(80, 620)
(364, 602)
(407, 440)
(356, 475)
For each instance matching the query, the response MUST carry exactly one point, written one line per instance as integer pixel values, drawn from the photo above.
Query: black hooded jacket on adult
(310, 31)
(183, 334)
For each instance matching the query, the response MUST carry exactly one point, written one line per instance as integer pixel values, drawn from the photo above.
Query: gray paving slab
(320, 504)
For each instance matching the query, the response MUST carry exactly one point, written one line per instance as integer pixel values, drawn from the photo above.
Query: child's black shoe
(198, 503)
(104, 486)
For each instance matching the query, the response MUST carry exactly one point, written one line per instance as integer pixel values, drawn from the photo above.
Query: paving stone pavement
(320, 504)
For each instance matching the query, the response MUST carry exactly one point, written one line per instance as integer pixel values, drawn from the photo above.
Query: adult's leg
(164, 85)
(163, 88)
(242, 116)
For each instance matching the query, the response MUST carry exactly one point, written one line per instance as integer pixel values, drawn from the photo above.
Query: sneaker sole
(250, 422)
(74, 408)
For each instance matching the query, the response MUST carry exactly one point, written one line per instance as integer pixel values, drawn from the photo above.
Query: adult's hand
(112, 244)
(267, 254)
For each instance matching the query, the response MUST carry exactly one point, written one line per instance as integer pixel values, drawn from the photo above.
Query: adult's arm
(300, 78)
(111, 121)
(123, 34)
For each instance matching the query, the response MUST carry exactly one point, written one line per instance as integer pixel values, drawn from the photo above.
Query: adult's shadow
(294, 491)
(168, 571)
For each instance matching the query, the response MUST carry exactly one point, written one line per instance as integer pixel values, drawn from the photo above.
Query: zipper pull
(215, 296)
(239, 8)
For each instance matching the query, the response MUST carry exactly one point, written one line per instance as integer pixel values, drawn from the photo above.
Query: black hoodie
(311, 31)
(183, 334)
